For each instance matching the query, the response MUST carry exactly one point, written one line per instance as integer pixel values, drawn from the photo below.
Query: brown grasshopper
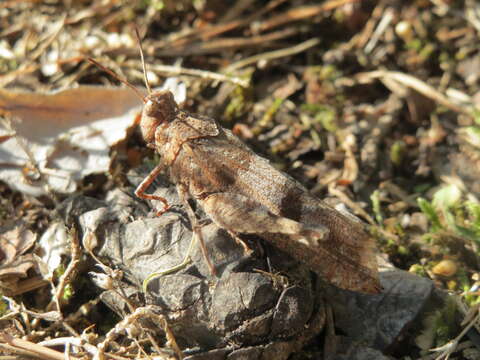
(244, 194)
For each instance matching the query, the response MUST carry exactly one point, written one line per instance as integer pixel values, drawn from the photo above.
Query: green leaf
(68, 292)
(397, 152)
(430, 212)
(471, 134)
(473, 209)
(3, 307)
(375, 198)
(476, 116)
(464, 232)
(447, 197)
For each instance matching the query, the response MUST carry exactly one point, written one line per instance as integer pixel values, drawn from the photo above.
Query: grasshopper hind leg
(196, 234)
(196, 228)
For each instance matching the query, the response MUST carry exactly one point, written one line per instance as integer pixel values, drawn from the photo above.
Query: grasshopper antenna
(147, 84)
(107, 70)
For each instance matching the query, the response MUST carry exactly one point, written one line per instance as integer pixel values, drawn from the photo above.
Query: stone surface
(379, 320)
(262, 305)
(247, 304)
(362, 353)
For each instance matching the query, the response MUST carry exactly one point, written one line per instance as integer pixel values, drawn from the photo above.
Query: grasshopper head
(160, 107)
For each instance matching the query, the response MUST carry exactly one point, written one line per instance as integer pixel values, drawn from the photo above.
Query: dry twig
(30, 348)
(415, 84)
(273, 54)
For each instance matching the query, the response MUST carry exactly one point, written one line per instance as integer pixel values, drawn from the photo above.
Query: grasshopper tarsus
(163, 211)
(140, 191)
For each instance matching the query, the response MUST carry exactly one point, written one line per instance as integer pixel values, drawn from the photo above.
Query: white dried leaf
(69, 134)
(43, 268)
(53, 244)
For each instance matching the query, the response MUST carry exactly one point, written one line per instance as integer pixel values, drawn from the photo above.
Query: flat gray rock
(248, 303)
(262, 305)
(379, 320)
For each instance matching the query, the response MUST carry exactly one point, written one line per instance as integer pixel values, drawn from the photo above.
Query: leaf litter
(351, 98)
(68, 133)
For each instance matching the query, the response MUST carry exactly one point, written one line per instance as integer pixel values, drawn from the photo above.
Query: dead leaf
(14, 263)
(53, 244)
(69, 134)
(15, 242)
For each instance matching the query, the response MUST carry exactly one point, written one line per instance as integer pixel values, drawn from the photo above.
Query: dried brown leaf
(14, 263)
(69, 134)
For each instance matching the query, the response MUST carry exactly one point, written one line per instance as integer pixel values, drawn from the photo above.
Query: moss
(3, 306)
(238, 104)
(418, 269)
(397, 152)
(324, 115)
(375, 199)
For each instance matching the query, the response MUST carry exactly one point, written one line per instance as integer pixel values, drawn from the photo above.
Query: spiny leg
(196, 233)
(140, 191)
(196, 227)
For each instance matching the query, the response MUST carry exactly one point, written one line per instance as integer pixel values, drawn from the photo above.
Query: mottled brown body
(244, 194)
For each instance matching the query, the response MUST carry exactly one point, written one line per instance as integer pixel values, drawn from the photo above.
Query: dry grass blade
(41, 352)
(300, 13)
(223, 44)
(202, 74)
(273, 54)
(415, 84)
(217, 29)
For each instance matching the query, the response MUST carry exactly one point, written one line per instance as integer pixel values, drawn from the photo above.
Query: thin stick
(71, 268)
(203, 74)
(273, 54)
(414, 83)
(107, 70)
(40, 351)
(147, 84)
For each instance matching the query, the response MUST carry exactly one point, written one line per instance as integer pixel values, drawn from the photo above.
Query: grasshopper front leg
(140, 191)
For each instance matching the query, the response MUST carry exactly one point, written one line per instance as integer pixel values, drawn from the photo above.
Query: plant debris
(371, 104)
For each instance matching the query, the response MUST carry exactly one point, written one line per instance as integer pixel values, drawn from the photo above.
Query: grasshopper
(244, 194)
